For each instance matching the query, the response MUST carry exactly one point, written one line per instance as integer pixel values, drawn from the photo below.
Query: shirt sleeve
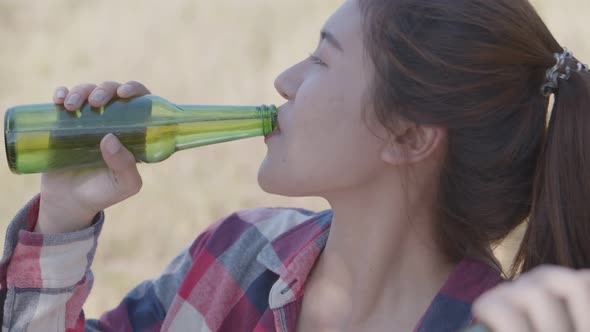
(45, 278)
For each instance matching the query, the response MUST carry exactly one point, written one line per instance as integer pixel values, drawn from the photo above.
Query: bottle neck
(266, 113)
(204, 125)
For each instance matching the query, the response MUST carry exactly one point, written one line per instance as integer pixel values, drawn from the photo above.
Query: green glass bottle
(46, 137)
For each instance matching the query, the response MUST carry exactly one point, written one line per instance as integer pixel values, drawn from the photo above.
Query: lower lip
(273, 133)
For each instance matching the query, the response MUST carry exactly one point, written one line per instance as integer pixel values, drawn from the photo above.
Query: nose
(288, 82)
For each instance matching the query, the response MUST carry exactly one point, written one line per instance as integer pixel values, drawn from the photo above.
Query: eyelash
(316, 60)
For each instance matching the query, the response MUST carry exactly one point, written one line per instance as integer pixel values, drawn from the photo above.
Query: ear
(412, 143)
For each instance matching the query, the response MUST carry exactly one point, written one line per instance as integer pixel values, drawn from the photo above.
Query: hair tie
(560, 71)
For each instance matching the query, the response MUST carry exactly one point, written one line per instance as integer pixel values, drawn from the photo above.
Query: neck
(380, 253)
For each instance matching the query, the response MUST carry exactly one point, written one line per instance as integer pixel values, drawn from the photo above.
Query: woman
(423, 123)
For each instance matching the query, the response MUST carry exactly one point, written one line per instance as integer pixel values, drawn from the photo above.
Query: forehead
(345, 25)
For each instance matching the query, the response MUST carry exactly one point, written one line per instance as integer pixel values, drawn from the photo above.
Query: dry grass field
(188, 51)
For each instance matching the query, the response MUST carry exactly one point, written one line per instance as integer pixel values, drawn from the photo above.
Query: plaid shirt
(246, 272)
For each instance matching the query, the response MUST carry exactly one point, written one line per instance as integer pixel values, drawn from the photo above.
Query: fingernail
(112, 144)
(73, 99)
(126, 89)
(98, 96)
(60, 94)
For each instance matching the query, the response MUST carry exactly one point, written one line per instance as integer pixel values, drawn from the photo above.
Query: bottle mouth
(9, 149)
(269, 119)
(274, 119)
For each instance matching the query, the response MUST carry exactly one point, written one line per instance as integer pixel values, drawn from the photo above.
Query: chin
(277, 183)
(272, 184)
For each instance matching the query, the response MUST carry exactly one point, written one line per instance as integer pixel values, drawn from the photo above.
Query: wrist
(60, 220)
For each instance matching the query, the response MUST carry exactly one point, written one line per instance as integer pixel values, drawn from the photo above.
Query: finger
(132, 89)
(78, 95)
(59, 95)
(126, 179)
(572, 287)
(495, 311)
(545, 311)
(103, 93)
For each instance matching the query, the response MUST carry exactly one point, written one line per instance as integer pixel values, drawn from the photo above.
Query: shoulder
(451, 308)
(253, 227)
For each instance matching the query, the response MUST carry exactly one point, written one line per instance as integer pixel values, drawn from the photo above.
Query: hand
(548, 298)
(71, 198)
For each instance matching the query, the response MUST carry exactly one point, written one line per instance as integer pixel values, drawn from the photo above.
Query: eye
(314, 59)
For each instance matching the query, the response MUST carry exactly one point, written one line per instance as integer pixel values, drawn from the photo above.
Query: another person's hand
(71, 198)
(546, 299)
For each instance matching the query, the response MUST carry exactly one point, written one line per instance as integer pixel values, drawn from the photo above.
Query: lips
(275, 131)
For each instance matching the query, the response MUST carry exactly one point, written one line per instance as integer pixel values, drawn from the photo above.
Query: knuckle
(137, 86)
(133, 83)
(571, 279)
(84, 87)
(549, 274)
(528, 293)
(574, 287)
(83, 90)
(545, 271)
(509, 293)
(501, 289)
(128, 160)
(109, 85)
(75, 90)
(134, 185)
(137, 185)
(486, 300)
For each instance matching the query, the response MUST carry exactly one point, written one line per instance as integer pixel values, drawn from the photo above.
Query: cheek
(325, 154)
(325, 145)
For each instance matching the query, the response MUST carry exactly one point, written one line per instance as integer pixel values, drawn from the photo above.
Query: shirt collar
(293, 254)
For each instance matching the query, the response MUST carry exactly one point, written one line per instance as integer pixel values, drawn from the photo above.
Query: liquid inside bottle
(46, 137)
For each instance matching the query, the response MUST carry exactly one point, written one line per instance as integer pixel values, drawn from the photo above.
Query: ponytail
(558, 229)
(476, 68)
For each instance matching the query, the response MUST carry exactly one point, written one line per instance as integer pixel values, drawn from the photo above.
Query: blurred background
(190, 52)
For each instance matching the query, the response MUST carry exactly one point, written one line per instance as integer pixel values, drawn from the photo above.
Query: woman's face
(324, 145)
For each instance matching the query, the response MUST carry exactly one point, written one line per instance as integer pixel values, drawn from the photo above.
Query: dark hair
(476, 67)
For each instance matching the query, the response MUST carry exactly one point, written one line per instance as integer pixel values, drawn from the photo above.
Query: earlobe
(391, 152)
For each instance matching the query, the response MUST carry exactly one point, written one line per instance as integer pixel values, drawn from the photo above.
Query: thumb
(122, 163)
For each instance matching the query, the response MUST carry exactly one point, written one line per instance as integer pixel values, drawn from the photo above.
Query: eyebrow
(327, 36)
